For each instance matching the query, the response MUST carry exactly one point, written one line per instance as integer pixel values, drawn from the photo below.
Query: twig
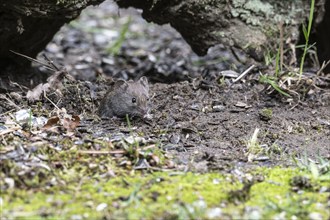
(281, 45)
(10, 130)
(324, 65)
(298, 102)
(243, 74)
(9, 101)
(3, 114)
(159, 169)
(317, 76)
(22, 87)
(50, 62)
(47, 66)
(101, 152)
(46, 97)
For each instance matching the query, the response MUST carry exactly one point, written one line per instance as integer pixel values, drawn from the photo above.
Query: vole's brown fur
(126, 98)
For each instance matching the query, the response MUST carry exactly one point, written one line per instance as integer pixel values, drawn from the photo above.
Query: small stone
(216, 181)
(194, 107)
(214, 213)
(76, 217)
(23, 115)
(132, 140)
(261, 158)
(218, 108)
(101, 207)
(175, 138)
(229, 73)
(315, 216)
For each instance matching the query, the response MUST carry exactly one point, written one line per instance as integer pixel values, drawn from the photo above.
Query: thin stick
(46, 97)
(156, 169)
(10, 130)
(324, 65)
(51, 63)
(10, 101)
(47, 66)
(243, 74)
(101, 152)
(8, 111)
(281, 45)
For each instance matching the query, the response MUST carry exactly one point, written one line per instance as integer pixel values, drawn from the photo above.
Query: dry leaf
(53, 82)
(242, 105)
(51, 122)
(68, 122)
(71, 123)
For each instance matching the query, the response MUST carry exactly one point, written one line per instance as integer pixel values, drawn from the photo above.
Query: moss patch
(184, 195)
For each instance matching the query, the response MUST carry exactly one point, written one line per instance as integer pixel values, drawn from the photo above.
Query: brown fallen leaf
(52, 122)
(68, 122)
(71, 123)
(54, 82)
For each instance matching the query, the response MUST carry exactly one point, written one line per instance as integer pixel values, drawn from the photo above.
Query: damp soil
(216, 124)
(208, 127)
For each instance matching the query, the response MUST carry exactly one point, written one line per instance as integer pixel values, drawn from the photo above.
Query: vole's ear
(144, 82)
(122, 84)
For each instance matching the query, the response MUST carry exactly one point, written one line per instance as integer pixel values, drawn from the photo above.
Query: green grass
(115, 47)
(306, 33)
(319, 169)
(274, 80)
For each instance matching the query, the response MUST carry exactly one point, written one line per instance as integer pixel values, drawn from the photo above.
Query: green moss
(259, 13)
(276, 196)
(266, 114)
(160, 194)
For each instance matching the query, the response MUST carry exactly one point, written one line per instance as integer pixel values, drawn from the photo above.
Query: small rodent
(126, 98)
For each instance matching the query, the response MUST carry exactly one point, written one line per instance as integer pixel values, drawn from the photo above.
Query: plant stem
(310, 21)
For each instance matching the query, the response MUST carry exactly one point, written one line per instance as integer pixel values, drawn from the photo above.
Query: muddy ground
(199, 115)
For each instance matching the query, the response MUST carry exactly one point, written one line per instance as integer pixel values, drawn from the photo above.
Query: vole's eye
(133, 100)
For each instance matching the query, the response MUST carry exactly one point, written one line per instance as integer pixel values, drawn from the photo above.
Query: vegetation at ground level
(260, 193)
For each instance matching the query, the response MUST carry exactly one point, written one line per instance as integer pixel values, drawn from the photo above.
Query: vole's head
(131, 97)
